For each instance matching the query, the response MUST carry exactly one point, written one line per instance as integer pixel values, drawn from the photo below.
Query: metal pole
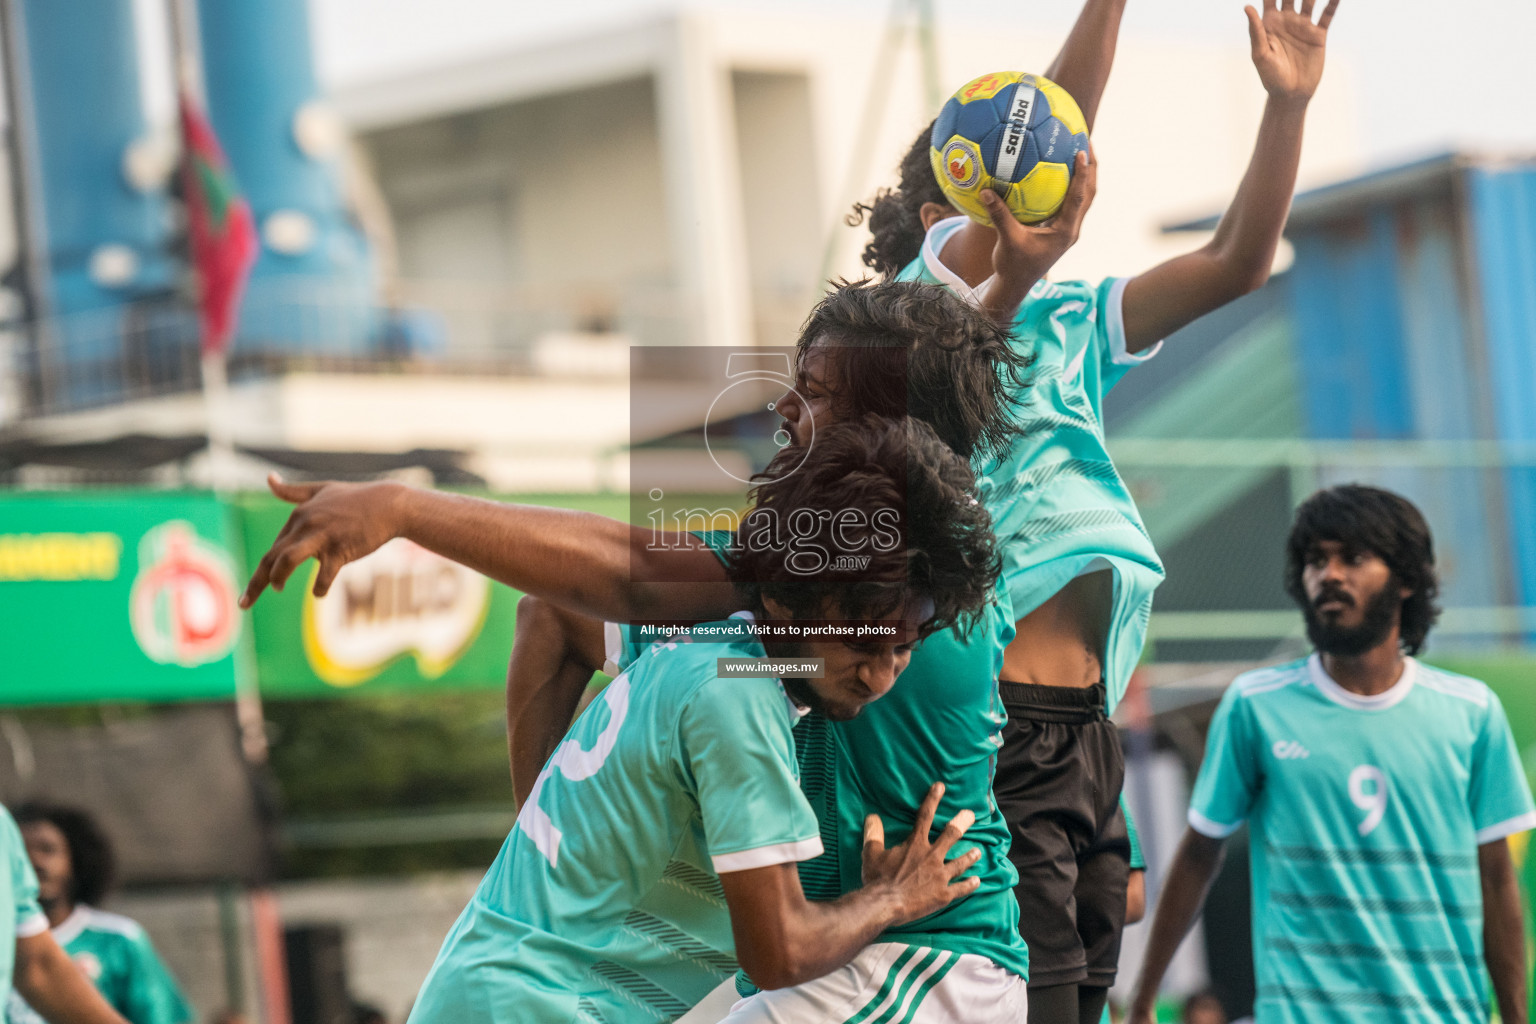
(869, 125)
(266, 921)
(928, 47)
(27, 198)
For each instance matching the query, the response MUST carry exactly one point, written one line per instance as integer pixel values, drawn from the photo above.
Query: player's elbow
(1243, 271)
(782, 968)
(1248, 280)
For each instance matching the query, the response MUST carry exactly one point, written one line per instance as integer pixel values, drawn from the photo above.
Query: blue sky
(1430, 75)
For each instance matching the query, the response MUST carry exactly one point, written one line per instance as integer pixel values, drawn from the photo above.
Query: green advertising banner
(117, 597)
(130, 596)
(402, 618)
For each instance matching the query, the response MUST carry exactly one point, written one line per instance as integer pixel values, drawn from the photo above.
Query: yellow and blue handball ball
(1014, 133)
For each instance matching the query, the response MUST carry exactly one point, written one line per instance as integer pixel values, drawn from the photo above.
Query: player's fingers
(963, 863)
(330, 565)
(1328, 12)
(874, 833)
(291, 557)
(1069, 219)
(1306, 8)
(258, 580)
(926, 810)
(1002, 217)
(294, 493)
(963, 887)
(1256, 41)
(954, 830)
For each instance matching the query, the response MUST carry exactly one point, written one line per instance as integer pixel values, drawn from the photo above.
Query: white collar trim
(796, 712)
(70, 928)
(933, 245)
(1390, 697)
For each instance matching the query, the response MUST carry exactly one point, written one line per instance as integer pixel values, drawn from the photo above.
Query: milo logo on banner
(401, 599)
(182, 605)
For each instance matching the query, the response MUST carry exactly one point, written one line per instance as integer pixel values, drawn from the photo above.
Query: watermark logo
(753, 375)
(182, 604)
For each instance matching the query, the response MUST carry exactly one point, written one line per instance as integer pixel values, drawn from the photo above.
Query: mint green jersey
(605, 903)
(1059, 508)
(20, 915)
(1365, 815)
(117, 956)
(941, 722)
(1138, 859)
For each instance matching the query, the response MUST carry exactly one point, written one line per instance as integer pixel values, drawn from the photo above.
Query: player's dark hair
(1370, 519)
(895, 217)
(90, 852)
(908, 349)
(931, 538)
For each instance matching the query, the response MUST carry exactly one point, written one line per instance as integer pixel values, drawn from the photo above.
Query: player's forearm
(1503, 932)
(577, 559)
(1189, 878)
(553, 658)
(815, 939)
(1082, 67)
(53, 986)
(580, 560)
(1237, 260)
(1246, 239)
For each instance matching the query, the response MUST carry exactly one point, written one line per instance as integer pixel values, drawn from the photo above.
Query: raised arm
(1082, 66)
(783, 939)
(583, 561)
(1288, 52)
(1503, 930)
(1190, 875)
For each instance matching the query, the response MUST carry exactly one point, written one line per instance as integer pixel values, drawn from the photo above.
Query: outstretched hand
(1288, 47)
(916, 871)
(1025, 252)
(334, 523)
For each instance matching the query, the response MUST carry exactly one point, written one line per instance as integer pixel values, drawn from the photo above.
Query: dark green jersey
(942, 722)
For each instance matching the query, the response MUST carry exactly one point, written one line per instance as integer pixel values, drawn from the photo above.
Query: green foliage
(341, 759)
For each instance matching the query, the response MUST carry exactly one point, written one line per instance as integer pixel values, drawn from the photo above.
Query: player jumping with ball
(1079, 566)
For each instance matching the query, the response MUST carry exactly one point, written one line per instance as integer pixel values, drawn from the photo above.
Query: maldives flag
(221, 227)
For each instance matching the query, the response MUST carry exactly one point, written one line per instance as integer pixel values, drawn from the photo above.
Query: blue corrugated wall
(1503, 210)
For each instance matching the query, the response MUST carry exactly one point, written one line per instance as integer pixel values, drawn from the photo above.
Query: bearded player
(1379, 793)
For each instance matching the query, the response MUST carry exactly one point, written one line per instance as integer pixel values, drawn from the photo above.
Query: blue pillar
(107, 238)
(313, 287)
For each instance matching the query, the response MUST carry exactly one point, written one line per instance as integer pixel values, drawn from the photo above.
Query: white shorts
(894, 983)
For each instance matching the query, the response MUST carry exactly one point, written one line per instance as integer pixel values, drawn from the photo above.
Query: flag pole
(266, 921)
(215, 372)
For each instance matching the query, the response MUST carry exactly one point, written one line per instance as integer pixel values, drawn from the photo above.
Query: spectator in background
(1203, 1008)
(73, 861)
(33, 962)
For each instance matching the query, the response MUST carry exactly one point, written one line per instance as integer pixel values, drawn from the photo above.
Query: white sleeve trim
(767, 856)
(1115, 325)
(1212, 829)
(34, 924)
(1504, 829)
(613, 647)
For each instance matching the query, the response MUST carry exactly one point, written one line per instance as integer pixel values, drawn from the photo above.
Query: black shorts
(1059, 776)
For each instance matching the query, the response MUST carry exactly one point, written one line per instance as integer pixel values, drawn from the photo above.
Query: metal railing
(149, 347)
